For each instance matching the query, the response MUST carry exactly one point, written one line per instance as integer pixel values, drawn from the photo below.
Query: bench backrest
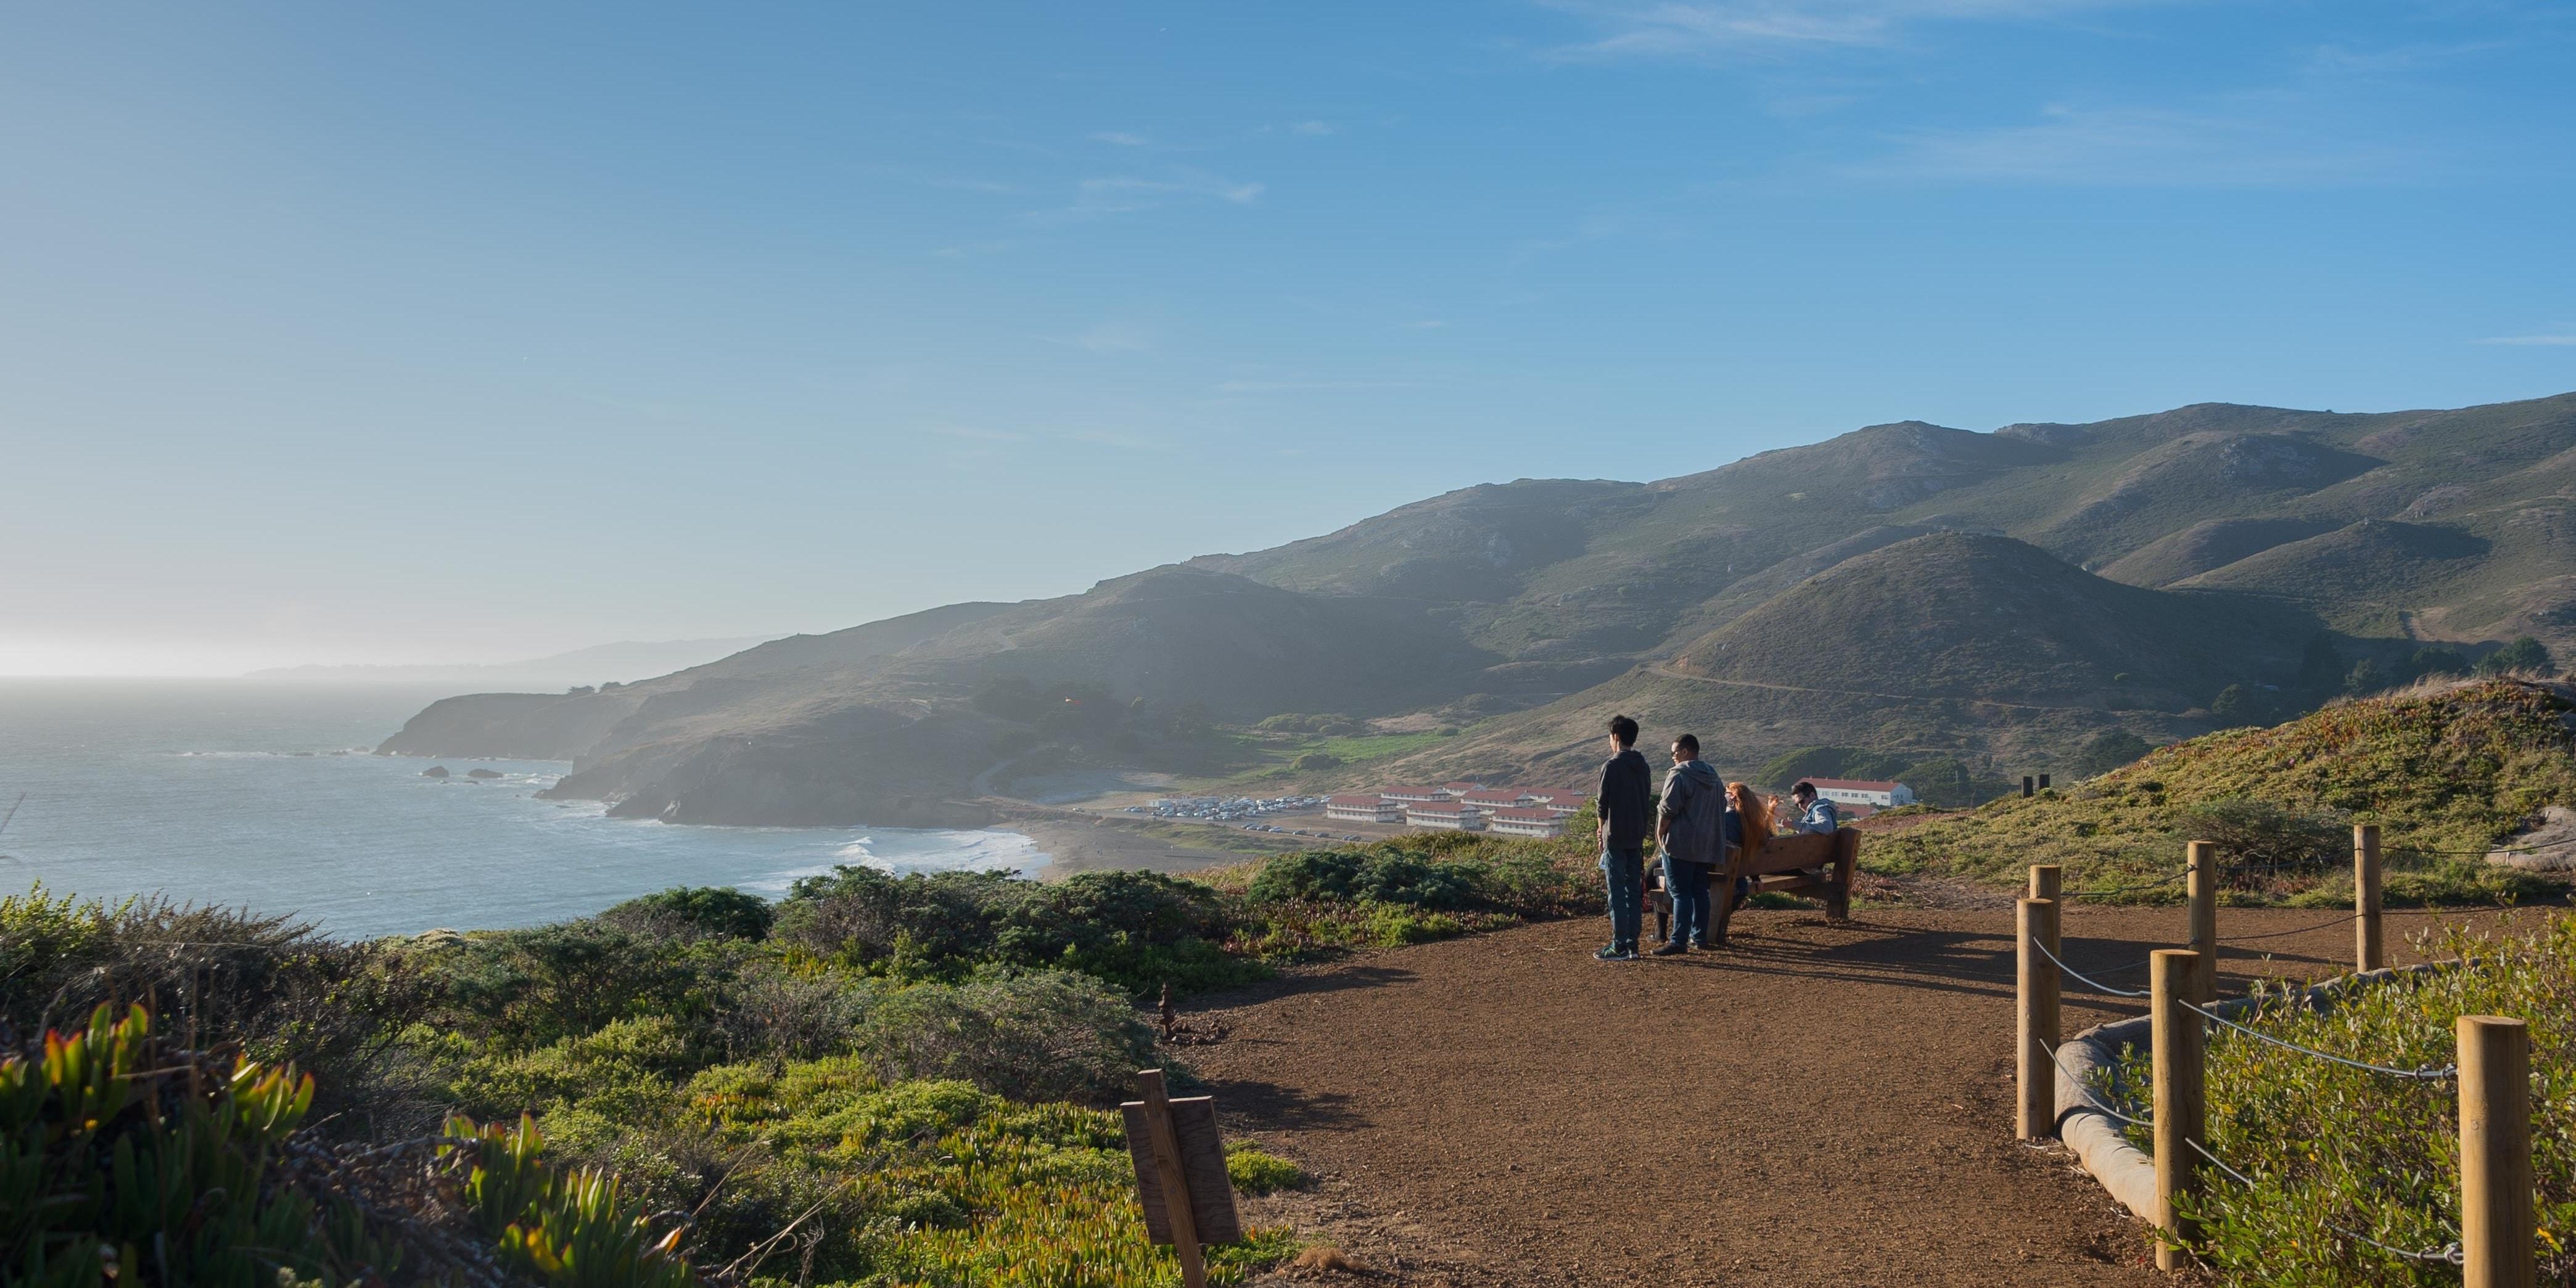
(1805, 850)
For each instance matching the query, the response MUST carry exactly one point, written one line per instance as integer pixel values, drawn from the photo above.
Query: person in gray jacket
(1689, 824)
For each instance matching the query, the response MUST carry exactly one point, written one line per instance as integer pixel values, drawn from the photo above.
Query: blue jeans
(1687, 883)
(1624, 867)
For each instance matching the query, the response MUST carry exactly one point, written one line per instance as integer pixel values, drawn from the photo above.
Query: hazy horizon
(476, 334)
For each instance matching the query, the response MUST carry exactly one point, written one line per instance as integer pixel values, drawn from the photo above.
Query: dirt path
(1817, 1104)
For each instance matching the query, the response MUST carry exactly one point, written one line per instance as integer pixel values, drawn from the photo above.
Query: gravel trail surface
(1815, 1104)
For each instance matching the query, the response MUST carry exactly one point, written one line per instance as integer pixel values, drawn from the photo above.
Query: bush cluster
(880, 1080)
(2445, 774)
(2328, 1145)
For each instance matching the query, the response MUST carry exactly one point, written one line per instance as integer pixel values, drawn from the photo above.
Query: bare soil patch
(1817, 1104)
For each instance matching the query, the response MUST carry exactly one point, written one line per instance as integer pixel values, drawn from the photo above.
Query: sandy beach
(1076, 842)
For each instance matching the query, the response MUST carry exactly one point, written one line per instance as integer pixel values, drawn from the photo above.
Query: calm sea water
(262, 795)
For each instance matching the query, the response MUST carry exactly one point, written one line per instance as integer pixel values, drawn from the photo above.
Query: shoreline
(1075, 842)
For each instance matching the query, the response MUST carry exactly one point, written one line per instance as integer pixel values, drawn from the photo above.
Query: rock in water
(482, 773)
(434, 771)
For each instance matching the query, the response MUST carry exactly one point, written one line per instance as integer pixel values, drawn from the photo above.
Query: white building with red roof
(1562, 800)
(1446, 816)
(1364, 809)
(1863, 791)
(1493, 798)
(1412, 795)
(1538, 821)
(1461, 788)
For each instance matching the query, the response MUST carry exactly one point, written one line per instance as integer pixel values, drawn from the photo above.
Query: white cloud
(1718, 28)
(2267, 140)
(1314, 129)
(1309, 386)
(1109, 337)
(1094, 198)
(977, 434)
(1122, 139)
(2531, 339)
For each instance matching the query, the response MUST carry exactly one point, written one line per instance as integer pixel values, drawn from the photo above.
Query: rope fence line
(2449, 1254)
(2346, 919)
(2087, 1093)
(2427, 1073)
(2494, 1231)
(2095, 984)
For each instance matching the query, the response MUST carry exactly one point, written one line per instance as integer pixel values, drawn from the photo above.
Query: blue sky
(374, 332)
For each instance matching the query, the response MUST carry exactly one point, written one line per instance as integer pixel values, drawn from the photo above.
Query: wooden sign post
(1180, 1173)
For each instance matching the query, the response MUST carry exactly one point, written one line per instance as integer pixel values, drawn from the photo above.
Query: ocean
(263, 795)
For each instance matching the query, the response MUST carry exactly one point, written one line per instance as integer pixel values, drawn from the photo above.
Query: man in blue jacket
(1625, 805)
(1689, 824)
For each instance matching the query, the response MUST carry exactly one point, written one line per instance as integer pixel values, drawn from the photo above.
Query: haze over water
(261, 795)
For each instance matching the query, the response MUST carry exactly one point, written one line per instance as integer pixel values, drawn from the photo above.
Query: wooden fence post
(2369, 950)
(2181, 1115)
(2202, 883)
(2035, 1034)
(1176, 1187)
(2495, 1153)
(2046, 880)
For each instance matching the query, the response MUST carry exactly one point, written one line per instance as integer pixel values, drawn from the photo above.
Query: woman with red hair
(1748, 825)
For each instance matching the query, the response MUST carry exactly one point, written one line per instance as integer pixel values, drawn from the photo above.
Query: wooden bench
(1808, 863)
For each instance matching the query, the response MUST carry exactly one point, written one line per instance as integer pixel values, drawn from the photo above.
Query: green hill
(2447, 772)
(1784, 600)
(1963, 616)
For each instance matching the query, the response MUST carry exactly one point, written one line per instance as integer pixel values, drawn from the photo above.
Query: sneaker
(1671, 950)
(1700, 946)
(1615, 953)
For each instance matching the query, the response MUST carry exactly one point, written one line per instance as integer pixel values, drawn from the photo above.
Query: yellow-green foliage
(2331, 1145)
(1256, 1172)
(943, 1185)
(573, 1229)
(105, 1150)
(2444, 773)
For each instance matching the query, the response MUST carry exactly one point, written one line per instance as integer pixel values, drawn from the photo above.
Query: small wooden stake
(2369, 950)
(2035, 1034)
(2181, 1115)
(2495, 1153)
(2202, 882)
(1176, 1188)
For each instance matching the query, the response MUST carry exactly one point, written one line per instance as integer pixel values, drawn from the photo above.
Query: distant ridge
(620, 663)
(2004, 599)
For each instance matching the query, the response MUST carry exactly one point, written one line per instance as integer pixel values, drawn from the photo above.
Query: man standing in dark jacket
(1625, 805)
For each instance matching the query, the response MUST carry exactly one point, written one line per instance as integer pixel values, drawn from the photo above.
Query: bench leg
(1846, 858)
(1722, 900)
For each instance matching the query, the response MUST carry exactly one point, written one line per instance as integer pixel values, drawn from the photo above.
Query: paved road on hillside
(1665, 669)
(1815, 1105)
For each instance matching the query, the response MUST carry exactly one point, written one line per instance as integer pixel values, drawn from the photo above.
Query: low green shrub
(705, 910)
(1052, 1035)
(2327, 1145)
(1256, 1172)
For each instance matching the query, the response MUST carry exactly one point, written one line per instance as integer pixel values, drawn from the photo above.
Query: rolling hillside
(1998, 596)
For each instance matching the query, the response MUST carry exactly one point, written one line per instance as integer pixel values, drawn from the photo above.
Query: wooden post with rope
(2181, 1111)
(2202, 879)
(2048, 881)
(2495, 1153)
(2369, 949)
(2035, 1033)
